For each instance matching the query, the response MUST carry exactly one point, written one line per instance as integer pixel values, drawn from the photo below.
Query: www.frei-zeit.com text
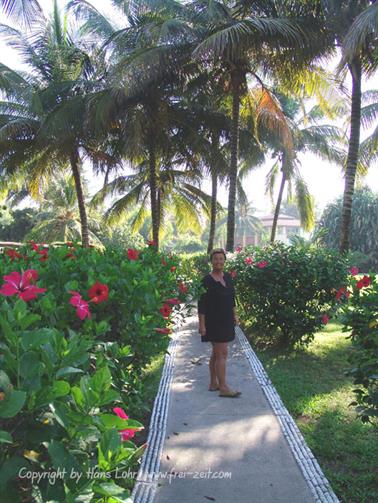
(63, 473)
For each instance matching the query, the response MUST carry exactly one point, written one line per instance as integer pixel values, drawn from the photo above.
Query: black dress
(217, 305)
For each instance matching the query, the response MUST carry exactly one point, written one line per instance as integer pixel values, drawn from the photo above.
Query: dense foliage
(77, 327)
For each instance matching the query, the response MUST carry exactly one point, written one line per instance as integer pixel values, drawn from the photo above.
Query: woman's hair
(217, 250)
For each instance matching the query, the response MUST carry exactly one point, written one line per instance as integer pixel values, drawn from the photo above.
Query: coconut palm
(362, 36)
(178, 192)
(58, 216)
(236, 36)
(369, 115)
(42, 123)
(350, 24)
(309, 135)
(24, 11)
(146, 58)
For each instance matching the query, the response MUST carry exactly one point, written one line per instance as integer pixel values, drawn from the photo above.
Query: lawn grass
(314, 389)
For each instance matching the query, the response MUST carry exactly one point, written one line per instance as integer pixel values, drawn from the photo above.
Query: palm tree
(42, 123)
(177, 190)
(369, 115)
(58, 215)
(308, 135)
(146, 58)
(350, 24)
(236, 36)
(21, 10)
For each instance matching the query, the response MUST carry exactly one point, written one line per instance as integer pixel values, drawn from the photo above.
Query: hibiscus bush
(77, 326)
(360, 317)
(286, 291)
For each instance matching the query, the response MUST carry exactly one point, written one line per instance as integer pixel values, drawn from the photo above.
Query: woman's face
(217, 261)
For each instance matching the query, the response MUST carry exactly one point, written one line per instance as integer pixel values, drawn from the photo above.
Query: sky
(325, 180)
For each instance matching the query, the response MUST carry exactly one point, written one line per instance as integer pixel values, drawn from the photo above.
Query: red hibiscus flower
(98, 292)
(238, 249)
(82, 307)
(173, 268)
(165, 310)
(127, 433)
(342, 291)
(163, 262)
(12, 253)
(182, 287)
(132, 254)
(173, 301)
(262, 264)
(354, 270)
(363, 282)
(17, 284)
(233, 274)
(325, 319)
(248, 260)
(44, 255)
(70, 255)
(163, 330)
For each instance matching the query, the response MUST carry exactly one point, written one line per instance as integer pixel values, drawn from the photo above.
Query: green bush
(69, 355)
(195, 265)
(287, 290)
(360, 315)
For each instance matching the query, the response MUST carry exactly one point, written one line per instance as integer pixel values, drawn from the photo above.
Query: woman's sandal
(231, 394)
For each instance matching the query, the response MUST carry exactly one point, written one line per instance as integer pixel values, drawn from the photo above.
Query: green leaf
(12, 404)
(6, 437)
(62, 458)
(11, 468)
(10, 336)
(19, 309)
(28, 320)
(58, 389)
(68, 370)
(4, 380)
(35, 339)
(111, 489)
(113, 421)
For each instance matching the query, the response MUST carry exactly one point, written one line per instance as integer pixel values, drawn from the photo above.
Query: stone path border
(146, 482)
(318, 484)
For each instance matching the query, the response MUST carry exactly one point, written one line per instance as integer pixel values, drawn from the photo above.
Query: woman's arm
(202, 302)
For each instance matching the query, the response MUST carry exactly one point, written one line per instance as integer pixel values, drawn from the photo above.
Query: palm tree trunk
(235, 83)
(153, 190)
(75, 163)
(214, 190)
(354, 143)
(278, 204)
(158, 205)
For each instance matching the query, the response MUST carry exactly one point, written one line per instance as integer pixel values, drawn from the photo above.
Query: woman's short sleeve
(202, 301)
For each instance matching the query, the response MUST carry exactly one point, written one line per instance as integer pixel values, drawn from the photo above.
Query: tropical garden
(151, 100)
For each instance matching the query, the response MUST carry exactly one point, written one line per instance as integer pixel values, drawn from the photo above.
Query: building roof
(283, 221)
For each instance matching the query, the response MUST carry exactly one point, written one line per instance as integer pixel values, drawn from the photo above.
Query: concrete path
(202, 447)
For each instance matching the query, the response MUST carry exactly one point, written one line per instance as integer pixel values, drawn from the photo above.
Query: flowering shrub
(360, 315)
(76, 327)
(286, 291)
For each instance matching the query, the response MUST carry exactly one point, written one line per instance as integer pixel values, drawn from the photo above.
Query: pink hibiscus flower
(19, 284)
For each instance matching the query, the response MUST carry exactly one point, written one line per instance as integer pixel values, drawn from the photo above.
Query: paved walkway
(202, 447)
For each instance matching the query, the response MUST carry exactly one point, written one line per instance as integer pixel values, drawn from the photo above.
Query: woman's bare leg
(221, 351)
(213, 374)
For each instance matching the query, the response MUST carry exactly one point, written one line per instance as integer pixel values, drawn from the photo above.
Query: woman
(217, 319)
